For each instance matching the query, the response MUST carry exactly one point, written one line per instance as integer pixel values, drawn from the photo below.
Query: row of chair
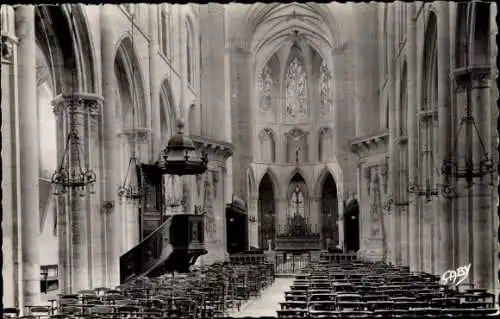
(356, 289)
(210, 291)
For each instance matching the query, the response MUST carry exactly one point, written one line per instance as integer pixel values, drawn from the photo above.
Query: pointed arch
(130, 80)
(318, 187)
(430, 61)
(274, 179)
(298, 172)
(67, 47)
(329, 210)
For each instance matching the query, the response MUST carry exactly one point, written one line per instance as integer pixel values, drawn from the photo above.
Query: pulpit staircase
(174, 245)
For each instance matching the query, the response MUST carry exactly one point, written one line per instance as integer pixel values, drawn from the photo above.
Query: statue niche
(267, 146)
(296, 146)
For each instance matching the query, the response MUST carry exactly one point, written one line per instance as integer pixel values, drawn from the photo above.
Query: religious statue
(297, 148)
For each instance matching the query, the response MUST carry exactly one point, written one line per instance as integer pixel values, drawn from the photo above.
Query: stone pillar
(28, 155)
(77, 111)
(111, 148)
(10, 209)
(443, 213)
(413, 101)
(213, 41)
(366, 39)
(155, 82)
(481, 210)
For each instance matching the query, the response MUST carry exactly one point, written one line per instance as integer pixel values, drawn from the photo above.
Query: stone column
(111, 148)
(413, 102)
(444, 249)
(28, 155)
(10, 245)
(76, 112)
(154, 81)
(481, 209)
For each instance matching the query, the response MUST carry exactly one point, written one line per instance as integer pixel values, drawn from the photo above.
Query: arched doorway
(329, 213)
(351, 226)
(266, 212)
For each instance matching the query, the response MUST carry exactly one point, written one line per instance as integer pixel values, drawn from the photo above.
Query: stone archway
(267, 212)
(329, 213)
(351, 226)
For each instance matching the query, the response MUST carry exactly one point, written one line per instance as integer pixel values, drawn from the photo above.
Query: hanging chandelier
(426, 190)
(132, 190)
(70, 173)
(467, 169)
(180, 156)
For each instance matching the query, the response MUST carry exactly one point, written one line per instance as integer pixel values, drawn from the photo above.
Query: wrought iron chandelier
(426, 191)
(71, 174)
(467, 169)
(132, 190)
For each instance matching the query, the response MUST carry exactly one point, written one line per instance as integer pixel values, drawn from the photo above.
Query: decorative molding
(78, 103)
(217, 150)
(362, 145)
(478, 76)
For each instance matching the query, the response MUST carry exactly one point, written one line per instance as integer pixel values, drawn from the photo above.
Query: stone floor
(269, 301)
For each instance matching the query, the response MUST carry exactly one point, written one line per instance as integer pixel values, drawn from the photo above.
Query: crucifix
(297, 148)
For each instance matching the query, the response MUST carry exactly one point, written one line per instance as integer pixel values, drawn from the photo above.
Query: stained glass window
(325, 89)
(296, 89)
(265, 84)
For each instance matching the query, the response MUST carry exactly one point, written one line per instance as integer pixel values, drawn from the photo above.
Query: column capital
(478, 76)
(77, 103)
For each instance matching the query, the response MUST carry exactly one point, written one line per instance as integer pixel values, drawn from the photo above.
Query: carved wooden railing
(150, 253)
